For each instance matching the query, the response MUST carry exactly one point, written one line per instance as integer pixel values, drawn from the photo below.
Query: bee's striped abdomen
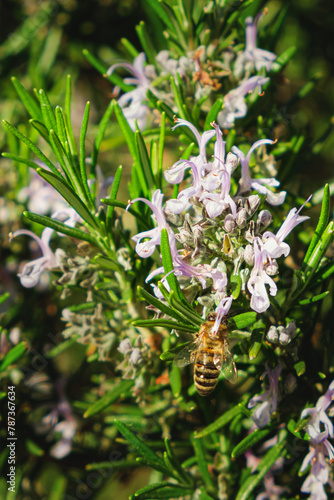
(206, 374)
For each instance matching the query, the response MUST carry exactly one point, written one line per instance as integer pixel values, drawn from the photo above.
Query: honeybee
(211, 355)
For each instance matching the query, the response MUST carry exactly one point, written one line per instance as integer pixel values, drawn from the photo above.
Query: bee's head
(212, 317)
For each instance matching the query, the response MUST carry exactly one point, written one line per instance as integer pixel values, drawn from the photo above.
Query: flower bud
(249, 255)
(244, 275)
(230, 225)
(284, 338)
(272, 335)
(291, 329)
(125, 346)
(171, 217)
(264, 218)
(250, 232)
(241, 218)
(251, 203)
(227, 245)
(283, 335)
(136, 356)
(271, 268)
(232, 161)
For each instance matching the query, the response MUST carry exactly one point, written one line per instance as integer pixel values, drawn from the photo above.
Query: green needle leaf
(113, 193)
(69, 195)
(47, 111)
(167, 263)
(68, 97)
(250, 441)
(212, 114)
(82, 155)
(103, 68)
(161, 490)
(146, 42)
(165, 323)
(220, 422)
(60, 227)
(263, 467)
(33, 148)
(176, 466)
(244, 320)
(19, 159)
(100, 133)
(323, 221)
(203, 464)
(283, 59)
(151, 458)
(146, 174)
(320, 249)
(127, 131)
(4, 297)
(41, 129)
(132, 211)
(313, 299)
(161, 306)
(13, 355)
(109, 398)
(29, 102)
(171, 353)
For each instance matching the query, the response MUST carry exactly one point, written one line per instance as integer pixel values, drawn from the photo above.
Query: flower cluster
(282, 334)
(219, 234)
(319, 429)
(139, 360)
(92, 328)
(196, 69)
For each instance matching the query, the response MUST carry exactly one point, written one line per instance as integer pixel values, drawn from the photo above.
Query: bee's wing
(226, 365)
(185, 356)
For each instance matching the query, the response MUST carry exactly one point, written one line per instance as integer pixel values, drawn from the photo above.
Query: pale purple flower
(66, 428)
(216, 203)
(274, 244)
(203, 272)
(220, 175)
(272, 491)
(259, 279)
(181, 203)
(31, 271)
(319, 474)
(253, 57)
(132, 102)
(268, 399)
(170, 66)
(175, 174)
(221, 311)
(234, 102)
(145, 249)
(197, 164)
(319, 428)
(246, 183)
